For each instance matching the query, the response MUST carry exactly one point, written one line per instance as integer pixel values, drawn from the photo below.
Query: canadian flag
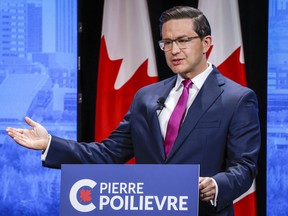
(127, 61)
(228, 55)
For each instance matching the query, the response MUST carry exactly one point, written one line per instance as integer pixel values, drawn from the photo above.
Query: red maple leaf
(232, 67)
(85, 195)
(112, 104)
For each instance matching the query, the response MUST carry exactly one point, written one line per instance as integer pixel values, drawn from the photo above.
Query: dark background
(254, 25)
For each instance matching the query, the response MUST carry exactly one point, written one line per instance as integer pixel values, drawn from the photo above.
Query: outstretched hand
(36, 137)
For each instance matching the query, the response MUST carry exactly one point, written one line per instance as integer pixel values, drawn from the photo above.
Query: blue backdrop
(38, 78)
(277, 116)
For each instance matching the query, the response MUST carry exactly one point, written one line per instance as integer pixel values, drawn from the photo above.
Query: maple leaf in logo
(85, 195)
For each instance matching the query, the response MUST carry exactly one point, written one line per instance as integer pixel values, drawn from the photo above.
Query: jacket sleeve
(243, 145)
(117, 148)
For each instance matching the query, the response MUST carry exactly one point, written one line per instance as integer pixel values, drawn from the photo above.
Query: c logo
(73, 195)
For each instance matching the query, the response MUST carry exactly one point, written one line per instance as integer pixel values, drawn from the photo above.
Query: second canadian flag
(228, 55)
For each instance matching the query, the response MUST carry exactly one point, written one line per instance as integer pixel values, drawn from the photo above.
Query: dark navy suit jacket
(220, 132)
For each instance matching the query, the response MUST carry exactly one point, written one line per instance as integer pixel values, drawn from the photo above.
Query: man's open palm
(35, 137)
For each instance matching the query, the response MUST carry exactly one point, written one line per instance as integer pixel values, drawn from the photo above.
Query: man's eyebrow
(175, 38)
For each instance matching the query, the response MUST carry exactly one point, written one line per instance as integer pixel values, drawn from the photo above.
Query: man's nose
(175, 49)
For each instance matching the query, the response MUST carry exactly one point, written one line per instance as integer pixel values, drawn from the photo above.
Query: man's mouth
(177, 61)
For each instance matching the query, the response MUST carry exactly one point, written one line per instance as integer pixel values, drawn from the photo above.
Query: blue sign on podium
(125, 190)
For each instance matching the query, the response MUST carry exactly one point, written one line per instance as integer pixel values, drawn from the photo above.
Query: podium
(129, 189)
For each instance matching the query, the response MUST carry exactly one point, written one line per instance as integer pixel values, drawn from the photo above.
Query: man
(219, 127)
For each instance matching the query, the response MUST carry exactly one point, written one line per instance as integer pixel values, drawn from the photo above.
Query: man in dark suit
(219, 127)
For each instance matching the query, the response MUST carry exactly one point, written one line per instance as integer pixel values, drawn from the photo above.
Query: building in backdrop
(38, 78)
(277, 109)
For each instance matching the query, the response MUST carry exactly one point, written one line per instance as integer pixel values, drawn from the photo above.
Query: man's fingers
(201, 179)
(30, 122)
(203, 183)
(13, 131)
(206, 189)
(206, 196)
(23, 142)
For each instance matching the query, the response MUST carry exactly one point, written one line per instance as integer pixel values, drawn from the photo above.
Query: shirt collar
(198, 80)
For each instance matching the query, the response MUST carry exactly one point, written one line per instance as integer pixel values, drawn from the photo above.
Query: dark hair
(200, 22)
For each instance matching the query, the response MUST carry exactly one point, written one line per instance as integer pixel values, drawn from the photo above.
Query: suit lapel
(162, 90)
(206, 97)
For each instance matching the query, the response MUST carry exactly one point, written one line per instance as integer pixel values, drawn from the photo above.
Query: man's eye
(167, 43)
(182, 41)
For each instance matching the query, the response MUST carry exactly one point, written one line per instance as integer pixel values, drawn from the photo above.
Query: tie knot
(187, 83)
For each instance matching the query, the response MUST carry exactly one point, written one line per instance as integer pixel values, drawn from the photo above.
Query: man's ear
(206, 42)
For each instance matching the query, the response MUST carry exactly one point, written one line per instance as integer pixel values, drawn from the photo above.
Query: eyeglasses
(182, 43)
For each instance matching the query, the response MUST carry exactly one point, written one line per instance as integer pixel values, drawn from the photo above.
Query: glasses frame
(162, 42)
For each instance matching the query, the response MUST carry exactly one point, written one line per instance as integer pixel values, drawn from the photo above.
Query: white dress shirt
(175, 94)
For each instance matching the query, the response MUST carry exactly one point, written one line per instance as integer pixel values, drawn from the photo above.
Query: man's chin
(177, 70)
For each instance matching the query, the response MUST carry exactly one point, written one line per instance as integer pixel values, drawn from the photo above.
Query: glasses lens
(165, 45)
(162, 45)
(182, 43)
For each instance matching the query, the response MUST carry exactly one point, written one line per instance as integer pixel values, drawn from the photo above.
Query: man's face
(189, 61)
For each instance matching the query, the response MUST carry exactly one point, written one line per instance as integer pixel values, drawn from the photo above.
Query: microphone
(161, 103)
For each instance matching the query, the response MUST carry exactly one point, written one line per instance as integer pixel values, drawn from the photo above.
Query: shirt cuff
(45, 152)
(214, 202)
